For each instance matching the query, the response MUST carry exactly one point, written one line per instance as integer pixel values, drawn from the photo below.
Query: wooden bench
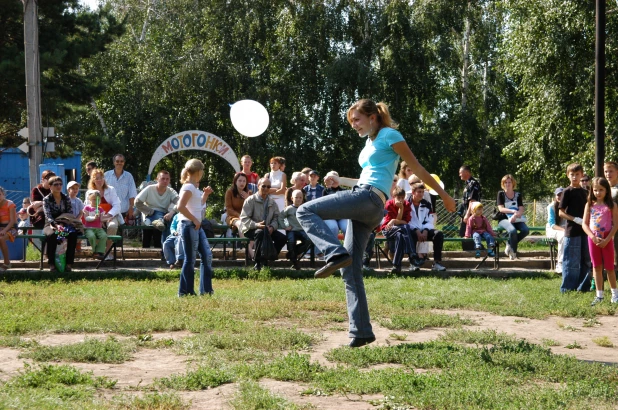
(114, 238)
(467, 246)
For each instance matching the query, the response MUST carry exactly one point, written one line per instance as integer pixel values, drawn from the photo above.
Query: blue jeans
(173, 249)
(511, 229)
(194, 242)
(159, 215)
(365, 210)
(294, 250)
(405, 242)
(478, 237)
(337, 225)
(576, 265)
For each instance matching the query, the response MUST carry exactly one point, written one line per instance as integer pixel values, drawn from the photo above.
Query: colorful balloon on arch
(194, 140)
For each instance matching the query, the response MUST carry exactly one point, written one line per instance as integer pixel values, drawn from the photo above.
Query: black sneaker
(361, 341)
(335, 263)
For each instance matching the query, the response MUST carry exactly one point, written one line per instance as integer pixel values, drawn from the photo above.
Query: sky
(93, 4)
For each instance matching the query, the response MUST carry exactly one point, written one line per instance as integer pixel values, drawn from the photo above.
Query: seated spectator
(24, 221)
(294, 231)
(55, 205)
(298, 180)
(93, 224)
(479, 228)
(235, 197)
(109, 202)
(76, 203)
(404, 174)
(154, 203)
(331, 180)
(313, 190)
(512, 217)
(278, 181)
(173, 247)
(8, 225)
(416, 180)
(422, 222)
(395, 226)
(35, 209)
(260, 212)
(556, 226)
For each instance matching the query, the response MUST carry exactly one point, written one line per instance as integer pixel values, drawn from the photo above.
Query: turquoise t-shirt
(379, 160)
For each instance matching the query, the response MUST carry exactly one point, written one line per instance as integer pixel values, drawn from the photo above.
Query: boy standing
(576, 264)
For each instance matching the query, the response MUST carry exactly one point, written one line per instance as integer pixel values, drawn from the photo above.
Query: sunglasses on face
(265, 186)
(57, 184)
(585, 180)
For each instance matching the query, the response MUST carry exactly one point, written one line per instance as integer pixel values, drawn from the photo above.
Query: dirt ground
(149, 364)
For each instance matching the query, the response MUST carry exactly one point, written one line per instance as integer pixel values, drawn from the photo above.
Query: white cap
(70, 184)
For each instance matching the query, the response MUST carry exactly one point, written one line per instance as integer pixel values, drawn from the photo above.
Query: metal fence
(536, 213)
(17, 197)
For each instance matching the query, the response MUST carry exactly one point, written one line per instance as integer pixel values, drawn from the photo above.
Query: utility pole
(33, 88)
(599, 89)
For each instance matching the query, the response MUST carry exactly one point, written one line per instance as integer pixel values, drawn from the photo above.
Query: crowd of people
(273, 215)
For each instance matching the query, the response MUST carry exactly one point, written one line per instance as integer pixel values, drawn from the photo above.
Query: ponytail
(191, 167)
(368, 107)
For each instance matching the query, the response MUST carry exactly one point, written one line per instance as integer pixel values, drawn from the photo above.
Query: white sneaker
(147, 222)
(513, 255)
(159, 224)
(438, 267)
(615, 299)
(109, 257)
(507, 250)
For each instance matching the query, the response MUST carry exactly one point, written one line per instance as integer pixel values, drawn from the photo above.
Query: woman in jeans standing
(191, 207)
(364, 206)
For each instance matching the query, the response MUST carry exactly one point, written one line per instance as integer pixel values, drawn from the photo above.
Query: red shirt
(392, 211)
(252, 178)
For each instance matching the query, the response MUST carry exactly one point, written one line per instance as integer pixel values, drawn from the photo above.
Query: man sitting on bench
(422, 224)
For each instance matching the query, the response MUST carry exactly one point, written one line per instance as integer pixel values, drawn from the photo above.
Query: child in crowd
(555, 226)
(92, 219)
(600, 224)
(479, 228)
(76, 203)
(610, 170)
(294, 231)
(395, 226)
(7, 228)
(576, 259)
(172, 247)
(24, 221)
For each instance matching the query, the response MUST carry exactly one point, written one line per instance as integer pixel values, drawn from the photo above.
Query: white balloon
(249, 117)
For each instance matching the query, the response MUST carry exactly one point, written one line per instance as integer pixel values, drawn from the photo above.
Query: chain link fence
(536, 213)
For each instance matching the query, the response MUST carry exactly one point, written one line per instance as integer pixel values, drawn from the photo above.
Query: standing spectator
(55, 204)
(555, 226)
(260, 212)
(93, 224)
(610, 170)
(600, 224)
(298, 180)
(422, 223)
(191, 205)
(479, 228)
(314, 190)
(585, 182)
(76, 203)
(404, 174)
(246, 162)
(278, 181)
(471, 192)
(512, 218)
(8, 231)
(125, 186)
(576, 260)
(155, 202)
(331, 180)
(363, 206)
(294, 232)
(395, 227)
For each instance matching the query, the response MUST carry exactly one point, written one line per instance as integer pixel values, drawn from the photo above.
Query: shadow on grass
(27, 275)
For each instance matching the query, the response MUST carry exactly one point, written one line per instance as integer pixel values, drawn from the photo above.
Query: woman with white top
(512, 217)
(191, 207)
(278, 181)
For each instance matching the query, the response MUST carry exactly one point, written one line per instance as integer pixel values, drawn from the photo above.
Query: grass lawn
(262, 325)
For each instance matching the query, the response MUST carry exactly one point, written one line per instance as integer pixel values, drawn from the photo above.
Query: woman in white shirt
(191, 207)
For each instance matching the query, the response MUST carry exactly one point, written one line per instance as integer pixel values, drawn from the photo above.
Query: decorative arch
(194, 140)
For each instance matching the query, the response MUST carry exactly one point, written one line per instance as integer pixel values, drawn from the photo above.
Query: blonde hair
(93, 175)
(508, 176)
(368, 108)
(402, 169)
(191, 167)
